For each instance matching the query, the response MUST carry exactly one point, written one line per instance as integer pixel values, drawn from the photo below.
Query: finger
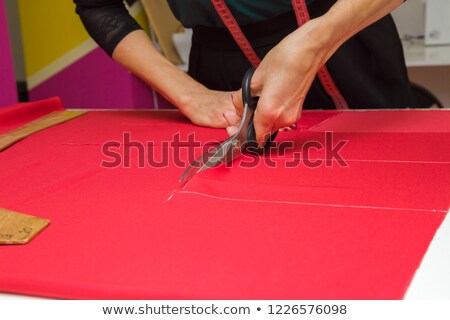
(264, 126)
(274, 111)
(236, 97)
(232, 118)
(232, 130)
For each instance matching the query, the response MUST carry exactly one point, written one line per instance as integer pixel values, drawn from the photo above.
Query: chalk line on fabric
(365, 160)
(303, 203)
(323, 122)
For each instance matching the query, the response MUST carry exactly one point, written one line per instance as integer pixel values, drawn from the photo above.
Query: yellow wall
(50, 29)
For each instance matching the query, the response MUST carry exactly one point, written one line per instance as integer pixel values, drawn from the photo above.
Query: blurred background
(46, 52)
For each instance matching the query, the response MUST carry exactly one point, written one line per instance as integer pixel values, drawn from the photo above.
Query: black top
(108, 21)
(194, 13)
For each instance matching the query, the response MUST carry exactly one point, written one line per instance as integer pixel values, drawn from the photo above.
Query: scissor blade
(192, 170)
(224, 153)
(231, 148)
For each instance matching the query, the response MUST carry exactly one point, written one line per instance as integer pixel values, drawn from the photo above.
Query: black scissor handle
(251, 144)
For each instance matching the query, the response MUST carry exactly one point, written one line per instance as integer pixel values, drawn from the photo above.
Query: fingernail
(229, 131)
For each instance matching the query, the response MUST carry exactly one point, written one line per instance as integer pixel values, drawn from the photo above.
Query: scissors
(243, 141)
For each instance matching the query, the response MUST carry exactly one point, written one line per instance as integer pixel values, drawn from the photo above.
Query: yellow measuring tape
(54, 118)
(18, 228)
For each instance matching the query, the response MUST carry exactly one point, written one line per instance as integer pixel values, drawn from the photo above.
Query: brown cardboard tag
(54, 118)
(18, 228)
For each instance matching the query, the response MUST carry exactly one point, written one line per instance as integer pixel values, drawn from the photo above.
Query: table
(353, 223)
(419, 55)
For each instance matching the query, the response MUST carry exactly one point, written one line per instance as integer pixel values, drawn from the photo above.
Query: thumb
(264, 126)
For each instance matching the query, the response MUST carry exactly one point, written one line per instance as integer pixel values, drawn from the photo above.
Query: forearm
(345, 19)
(136, 53)
(111, 26)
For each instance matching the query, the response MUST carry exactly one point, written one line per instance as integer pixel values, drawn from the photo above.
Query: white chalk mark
(307, 203)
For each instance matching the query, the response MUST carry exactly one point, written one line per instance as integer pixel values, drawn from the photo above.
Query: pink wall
(96, 82)
(8, 91)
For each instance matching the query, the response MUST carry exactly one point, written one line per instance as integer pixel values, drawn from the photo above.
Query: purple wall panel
(8, 91)
(96, 82)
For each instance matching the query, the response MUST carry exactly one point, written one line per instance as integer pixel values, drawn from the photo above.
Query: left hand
(285, 75)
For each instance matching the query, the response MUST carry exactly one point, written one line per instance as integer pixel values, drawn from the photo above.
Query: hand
(207, 107)
(285, 75)
(202, 106)
(283, 79)
(234, 118)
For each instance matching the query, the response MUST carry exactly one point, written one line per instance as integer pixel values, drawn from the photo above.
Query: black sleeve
(106, 21)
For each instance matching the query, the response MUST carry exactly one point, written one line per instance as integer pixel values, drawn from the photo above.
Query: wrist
(320, 36)
(186, 99)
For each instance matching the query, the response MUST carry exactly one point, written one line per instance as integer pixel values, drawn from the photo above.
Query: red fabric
(19, 114)
(358, 232)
